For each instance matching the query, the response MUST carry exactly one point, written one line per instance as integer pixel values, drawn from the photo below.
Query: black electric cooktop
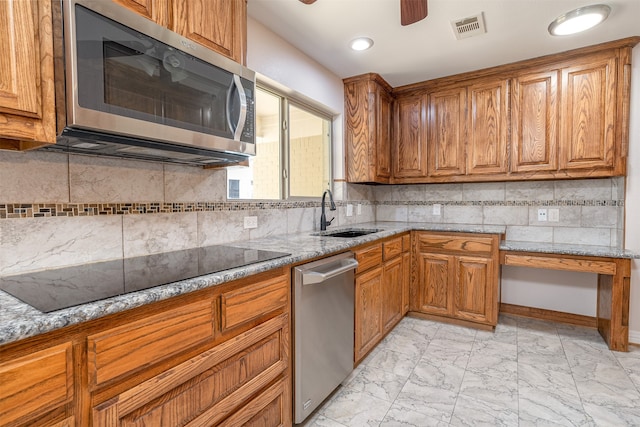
(54, 289)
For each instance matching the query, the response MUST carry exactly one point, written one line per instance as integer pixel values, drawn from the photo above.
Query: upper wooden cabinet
(534, 122)
(447, 129)
(27, 110)
(488, 125)
(409, 151)
(588, 114)
(220, 25)
(155, 10)
(561, 116)
(368, 109)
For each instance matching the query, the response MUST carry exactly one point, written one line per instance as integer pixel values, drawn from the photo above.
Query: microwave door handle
(239, 127)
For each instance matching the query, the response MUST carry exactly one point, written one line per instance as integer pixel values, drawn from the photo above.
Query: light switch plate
(542, 215)
(359, 211)
(349, 210)
(250, 222)
(437, 209)
(554, 215)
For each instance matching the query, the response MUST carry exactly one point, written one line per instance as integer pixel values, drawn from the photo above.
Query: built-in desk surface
(612, 265)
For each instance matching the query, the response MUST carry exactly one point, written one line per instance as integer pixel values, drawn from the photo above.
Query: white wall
(275, 58)
(632, 199)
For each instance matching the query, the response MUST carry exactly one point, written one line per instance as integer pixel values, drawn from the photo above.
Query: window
(293, 152)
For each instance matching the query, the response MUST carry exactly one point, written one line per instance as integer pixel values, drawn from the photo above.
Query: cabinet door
(27, 110)
(488, 123)
(534, 122)
(368, 312)
(34, 385)
(155, 10)
(384, 126)
(406, 280)
(409, 150)
(447, 127)
(588, 115)
(392, 293)
(219, 25)
(474, 290)
(433, 286)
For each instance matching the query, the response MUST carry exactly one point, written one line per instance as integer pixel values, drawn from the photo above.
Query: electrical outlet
(542, 215)
(349, 210)
(359, 211)
(554, 215)
(437, 209)
(250, 222)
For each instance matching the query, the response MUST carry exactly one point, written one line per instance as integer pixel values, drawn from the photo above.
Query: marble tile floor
(526, 373)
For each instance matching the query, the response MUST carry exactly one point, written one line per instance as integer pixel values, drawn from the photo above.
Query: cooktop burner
(51, 290)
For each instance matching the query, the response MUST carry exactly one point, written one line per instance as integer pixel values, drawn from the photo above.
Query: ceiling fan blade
(308, 1)
(411, 11)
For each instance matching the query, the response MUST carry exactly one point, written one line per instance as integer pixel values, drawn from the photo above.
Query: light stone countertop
(19, 320)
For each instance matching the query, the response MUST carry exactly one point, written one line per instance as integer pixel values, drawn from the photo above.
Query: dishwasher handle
(311, 277)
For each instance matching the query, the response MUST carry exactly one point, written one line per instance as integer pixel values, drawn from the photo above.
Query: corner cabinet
(381, 293)
(27, 109)
(220, 25)
(456, 276)
(368, 125)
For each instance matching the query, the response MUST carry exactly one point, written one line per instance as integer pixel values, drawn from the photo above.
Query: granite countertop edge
(19, 320)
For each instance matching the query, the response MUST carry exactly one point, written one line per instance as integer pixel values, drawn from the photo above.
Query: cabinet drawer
(392, 248)
(125, 349)
(35, 384)
(253, 301)
(455, 244)
(369, 257)
(207, 388)
(269, 408)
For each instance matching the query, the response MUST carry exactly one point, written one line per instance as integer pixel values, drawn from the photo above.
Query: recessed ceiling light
(361, 43)
(578, 20)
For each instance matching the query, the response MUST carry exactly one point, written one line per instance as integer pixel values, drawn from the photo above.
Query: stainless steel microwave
(127, 87)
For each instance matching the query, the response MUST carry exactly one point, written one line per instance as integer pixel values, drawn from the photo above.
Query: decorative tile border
(45, 210)
(614, 203)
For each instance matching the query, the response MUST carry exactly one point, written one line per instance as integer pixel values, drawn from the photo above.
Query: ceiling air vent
(469, 27)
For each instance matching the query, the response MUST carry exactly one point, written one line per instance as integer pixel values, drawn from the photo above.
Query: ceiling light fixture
(578, 20)
(361, 43)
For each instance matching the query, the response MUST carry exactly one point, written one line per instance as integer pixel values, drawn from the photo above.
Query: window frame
(291, 98)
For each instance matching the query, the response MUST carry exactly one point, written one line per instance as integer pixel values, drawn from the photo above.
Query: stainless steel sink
(350, 233)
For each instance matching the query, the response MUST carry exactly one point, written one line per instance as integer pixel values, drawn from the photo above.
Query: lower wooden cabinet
(392, 293)
(368, 312)
(382, 286)
(35, 389)
(456, 276)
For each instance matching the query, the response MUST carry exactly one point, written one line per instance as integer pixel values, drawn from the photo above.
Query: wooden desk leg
(613, 306)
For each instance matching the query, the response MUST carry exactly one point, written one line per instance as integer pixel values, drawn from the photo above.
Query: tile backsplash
(590, 211)
(58, 209)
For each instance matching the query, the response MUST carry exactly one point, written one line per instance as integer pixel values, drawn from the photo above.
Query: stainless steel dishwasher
(323, 323)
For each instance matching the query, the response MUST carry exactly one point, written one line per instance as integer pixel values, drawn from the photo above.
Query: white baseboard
(634, 337)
